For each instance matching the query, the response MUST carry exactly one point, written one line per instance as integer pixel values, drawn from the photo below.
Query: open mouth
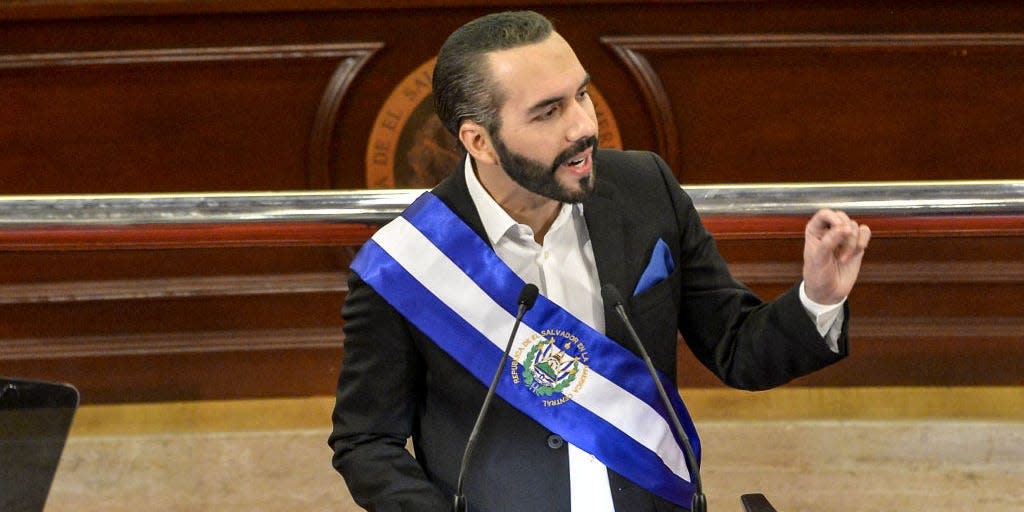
(579, 158)
(579, 164)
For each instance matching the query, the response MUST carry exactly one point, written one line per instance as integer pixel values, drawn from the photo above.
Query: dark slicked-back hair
(463, 86)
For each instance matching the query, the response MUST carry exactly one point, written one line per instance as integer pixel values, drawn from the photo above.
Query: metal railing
(374, 207)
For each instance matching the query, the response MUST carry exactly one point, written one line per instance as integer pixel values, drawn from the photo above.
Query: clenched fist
(833, 249)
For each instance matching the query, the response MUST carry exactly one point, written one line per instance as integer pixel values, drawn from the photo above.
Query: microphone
(527, 298)
(756, 503)
(699, 503)
(9, 387)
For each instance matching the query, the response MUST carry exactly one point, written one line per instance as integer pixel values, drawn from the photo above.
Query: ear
(477, 142)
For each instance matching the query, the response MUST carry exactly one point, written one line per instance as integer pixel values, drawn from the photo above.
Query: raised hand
(833, 250)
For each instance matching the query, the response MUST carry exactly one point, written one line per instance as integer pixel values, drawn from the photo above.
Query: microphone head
(528, 296)
(610, 294)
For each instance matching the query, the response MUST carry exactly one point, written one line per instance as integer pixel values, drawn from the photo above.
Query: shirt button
(555, 441)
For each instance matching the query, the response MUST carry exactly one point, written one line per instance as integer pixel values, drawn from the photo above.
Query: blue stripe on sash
(479, 356)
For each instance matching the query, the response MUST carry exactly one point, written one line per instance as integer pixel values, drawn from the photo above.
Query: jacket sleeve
(746, 342)
(379, 390)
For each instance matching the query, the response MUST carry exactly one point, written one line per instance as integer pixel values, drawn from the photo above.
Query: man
(433, 294)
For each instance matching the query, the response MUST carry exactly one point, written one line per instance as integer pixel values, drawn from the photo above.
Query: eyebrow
(545, 103)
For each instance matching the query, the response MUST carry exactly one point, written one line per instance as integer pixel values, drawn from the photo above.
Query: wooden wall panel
(942, 310)
(175, 376)
(165, 96)
(191, 95)
(832, 107)
(174, 119)
(930, 309)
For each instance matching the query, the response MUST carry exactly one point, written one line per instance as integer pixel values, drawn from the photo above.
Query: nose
(582, 121)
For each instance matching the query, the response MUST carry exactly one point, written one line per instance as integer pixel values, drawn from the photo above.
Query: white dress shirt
(564, 270)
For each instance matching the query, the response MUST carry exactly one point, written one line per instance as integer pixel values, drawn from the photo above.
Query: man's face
(548, 127)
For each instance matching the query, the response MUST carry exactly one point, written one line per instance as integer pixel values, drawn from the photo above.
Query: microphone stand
(527, 298)
(699, 502)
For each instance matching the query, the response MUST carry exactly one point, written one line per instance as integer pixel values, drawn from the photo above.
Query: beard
(541, 179)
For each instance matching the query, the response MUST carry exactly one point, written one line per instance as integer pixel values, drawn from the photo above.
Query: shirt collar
(495, 219)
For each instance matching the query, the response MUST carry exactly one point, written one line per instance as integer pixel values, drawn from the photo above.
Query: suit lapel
(613, 252)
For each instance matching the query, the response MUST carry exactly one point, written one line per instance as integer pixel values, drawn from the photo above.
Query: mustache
(577, 147)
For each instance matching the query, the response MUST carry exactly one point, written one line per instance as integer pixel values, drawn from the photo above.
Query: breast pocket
(654, 315)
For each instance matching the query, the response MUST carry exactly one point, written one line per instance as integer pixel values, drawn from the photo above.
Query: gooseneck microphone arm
(699, 503)
(527, 298)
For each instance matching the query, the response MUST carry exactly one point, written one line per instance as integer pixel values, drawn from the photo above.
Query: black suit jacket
(396, 383)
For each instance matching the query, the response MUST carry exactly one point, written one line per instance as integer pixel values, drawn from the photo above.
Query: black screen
(35, 418)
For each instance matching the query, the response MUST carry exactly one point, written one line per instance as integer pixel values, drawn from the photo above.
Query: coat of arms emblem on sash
(555, 362)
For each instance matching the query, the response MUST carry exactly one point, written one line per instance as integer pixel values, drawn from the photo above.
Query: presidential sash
(572, 379)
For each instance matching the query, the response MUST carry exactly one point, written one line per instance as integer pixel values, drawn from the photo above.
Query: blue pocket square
(660, 266)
